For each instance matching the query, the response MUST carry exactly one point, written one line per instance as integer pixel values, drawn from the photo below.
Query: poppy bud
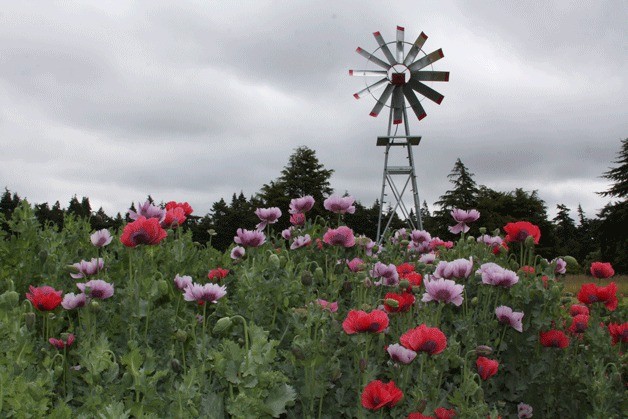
(416, 289)
(482, 230)
(298, 352)
(162, 287)
(94, 305)
(496, 232)
(29, 319)
(404, 243)
(474, 301)
(282, 261)
(404, 283)
(336, 374)
(483, 350)
(175, 365)
(318, 274)
(421, 405)
(572, 263)
(222, 325)
(470, 239)
(363, 364)
(306, 278)
(274, 261)
(529, 242)
(58, 371)
(181, 335)
(375, 249)
(9, 299)
(390, 302)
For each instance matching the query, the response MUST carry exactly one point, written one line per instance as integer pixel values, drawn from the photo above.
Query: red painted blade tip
(400, 28)
(423, 115)
(373, 114)
(358, 49)
(423, 35)
(447, 77)
(397, 121)
(357, 96)
(351, 72)
(440, 100)
(376, 33)
(440, 52)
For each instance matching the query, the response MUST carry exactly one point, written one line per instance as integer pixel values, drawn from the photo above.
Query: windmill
(401, 77)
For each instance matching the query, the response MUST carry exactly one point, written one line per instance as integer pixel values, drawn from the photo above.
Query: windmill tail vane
(401, 76)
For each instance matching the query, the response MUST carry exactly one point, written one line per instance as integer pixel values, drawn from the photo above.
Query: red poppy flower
(591, 293)
(619, 332)
(378, 394)
(579, 323)
(217, 274)
(528, 269)
(60, 344)
(404, 302)
(142, 231)
(44, 298)
(174, 217)
(602, 270)
(427, 339)
(187, 209)
(519, 231)
(358, 321)
(486, 367)
(417, 415)
(442, 413)
(576, 309)
(498, 248)
(554, 339)
(404, 269)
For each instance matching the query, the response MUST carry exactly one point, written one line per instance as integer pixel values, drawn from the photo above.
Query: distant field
(573, 282)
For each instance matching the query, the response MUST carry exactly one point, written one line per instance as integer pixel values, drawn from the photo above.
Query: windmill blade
(397, 103)
(368, 73)
(384, 47)
(400, 33)
(426, 91)
(430, 75)
(370, 88)
(372, 58)
(382, 100)
(414, 102)
(415, 49)
(427, 60)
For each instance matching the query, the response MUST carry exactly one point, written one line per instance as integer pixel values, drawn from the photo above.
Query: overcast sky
(193, 101)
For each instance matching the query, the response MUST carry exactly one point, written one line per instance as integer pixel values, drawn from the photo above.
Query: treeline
(602, 237)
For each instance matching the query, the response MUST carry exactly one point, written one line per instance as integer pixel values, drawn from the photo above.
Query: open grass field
(574, 282)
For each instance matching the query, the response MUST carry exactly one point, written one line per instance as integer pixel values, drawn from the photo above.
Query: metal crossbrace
(404, 141)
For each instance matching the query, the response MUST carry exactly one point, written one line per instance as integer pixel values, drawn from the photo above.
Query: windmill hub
(398, 74)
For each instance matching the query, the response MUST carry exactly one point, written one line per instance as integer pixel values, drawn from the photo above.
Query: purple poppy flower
(96, 288)
(420, 236)
(524, 411)
(459, 268)
(443, 290)
(182, 281)
(400, 354)
(560, 267)
(301, 205)
(491, 241)
(267, 216)
(301, 241)
(355, 264)
(148, 210)
(340, 204)
(249, 238)
(237, 252)
(72, 301)
(505, 315)
(427, 258)
(101, 238)
(342, 236)
(387, 273)
(463, 217)
(493, 274)
(400, 235)
(204, 293)
(86, 268)
(287, 233)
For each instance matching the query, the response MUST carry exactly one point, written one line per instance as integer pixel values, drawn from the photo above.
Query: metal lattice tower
(401, 75)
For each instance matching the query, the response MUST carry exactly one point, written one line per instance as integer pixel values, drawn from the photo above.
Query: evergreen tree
(588, 239)
(566, 232)
(80, 209)
(462, 196)
(8, 204)
(613, 231)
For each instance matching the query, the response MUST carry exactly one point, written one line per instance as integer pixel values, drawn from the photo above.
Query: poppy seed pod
(181, 335)
(306, 278)
(222, 325)
(29, 319)
(274, 261)
(318, 274)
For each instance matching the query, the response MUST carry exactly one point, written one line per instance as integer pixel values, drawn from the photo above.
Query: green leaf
(279, 398)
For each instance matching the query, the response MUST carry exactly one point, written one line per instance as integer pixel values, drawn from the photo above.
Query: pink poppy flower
(96, 288)
(427, 258)
(505, 315)
(463, 217)
(72, 301)
(101, 238)
(182, 282)
(148, 211)
(204, 293)
(400, 354)
(86, 268)
(174, 218)
(61, 344)
(493, 274)
(249, 238)
(355, 264)
(301, 241)
(560, 266)
(143, 231)
(342, 236)
(187, 209)
(237, 252)
(327, 305)
(443, 290)
(297, 219)
(459, 268)
(387, 273)
(301, 205)
(340, 204)
(267, 216)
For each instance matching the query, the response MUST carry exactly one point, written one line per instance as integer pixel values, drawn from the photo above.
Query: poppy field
(309, 322)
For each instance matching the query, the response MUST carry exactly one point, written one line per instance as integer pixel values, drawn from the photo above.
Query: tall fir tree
(463, 195)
